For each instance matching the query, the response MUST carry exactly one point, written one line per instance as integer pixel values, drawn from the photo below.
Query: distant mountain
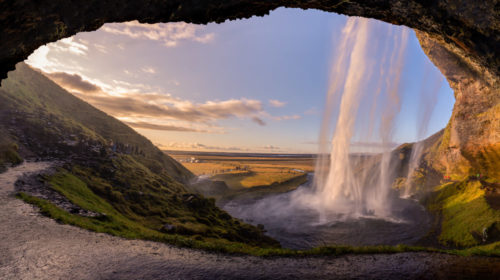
(105, 157)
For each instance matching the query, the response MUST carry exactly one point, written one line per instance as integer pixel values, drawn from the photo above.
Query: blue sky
(248, 85)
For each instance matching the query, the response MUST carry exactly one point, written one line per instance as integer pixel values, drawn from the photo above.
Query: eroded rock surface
(471, 142)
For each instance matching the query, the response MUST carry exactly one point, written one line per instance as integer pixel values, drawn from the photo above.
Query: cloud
(285, 118)
(149, 70)
(73, 82)
(45, 57)
(258, 121)
(72, 45)
(276, 103)
(170, 34)
(199, 146)
(155, 110)
(153, 126)
(271, 147)
(101, 48)
(157, 105)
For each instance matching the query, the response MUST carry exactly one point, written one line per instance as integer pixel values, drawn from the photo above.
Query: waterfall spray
(427, 102)
(339, 189)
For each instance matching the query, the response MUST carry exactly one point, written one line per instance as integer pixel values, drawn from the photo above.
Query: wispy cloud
(72, 45)
(146, 125)
(258, 121)
(152, 110)
(170, 34)
(73, 82)
(276, 103)
(149, 70)
(200, 147)
(286, 117)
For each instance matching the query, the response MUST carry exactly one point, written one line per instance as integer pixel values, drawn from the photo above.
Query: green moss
(464, 212)
(131, 230)
(132, 193)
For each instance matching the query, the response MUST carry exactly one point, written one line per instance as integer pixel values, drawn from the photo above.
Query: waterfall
(427, 102)
(359, 74)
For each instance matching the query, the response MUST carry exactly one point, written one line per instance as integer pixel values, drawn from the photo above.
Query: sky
(253, 85)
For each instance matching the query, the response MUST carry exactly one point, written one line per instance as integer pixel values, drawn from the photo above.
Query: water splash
(365, 68)
(427, 102)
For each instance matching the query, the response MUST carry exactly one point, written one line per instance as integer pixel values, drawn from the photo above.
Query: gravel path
(36, 247)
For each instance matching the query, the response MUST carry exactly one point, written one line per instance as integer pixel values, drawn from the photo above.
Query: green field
(240, 172)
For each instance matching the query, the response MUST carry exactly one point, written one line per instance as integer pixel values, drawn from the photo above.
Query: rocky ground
(36, 247)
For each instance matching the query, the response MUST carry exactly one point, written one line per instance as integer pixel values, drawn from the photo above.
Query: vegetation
(139, 192)
(240, 172)
(466, 217)
(114, 225)
(109, 168)
(8, 153)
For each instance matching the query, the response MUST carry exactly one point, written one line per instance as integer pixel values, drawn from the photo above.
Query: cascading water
(427, 101)
(356, 76)
(349, 199)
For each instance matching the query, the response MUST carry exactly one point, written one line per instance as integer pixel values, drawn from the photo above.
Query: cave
(460, 38)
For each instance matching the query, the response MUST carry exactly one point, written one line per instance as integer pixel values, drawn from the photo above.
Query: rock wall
(471, 142)
(470, 26)
(462, 37)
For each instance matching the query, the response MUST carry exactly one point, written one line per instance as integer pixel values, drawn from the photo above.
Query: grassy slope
(41, 104)
(138, 187)
(464, 214)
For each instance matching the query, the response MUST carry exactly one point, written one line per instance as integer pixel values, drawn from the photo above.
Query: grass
(114, 225)
(135, 200)
(248, 172)
(9, 155)
(465, 214)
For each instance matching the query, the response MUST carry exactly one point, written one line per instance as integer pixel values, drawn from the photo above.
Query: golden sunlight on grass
(246, 172)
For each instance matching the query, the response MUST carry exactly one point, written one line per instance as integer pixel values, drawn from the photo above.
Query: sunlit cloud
(151, 110)
(163, 127)
(276, 103)
(101, 48)
(149, 70)
(170, 34)
(199, 147)
(287, 117)
(71, 45)
(73, 82)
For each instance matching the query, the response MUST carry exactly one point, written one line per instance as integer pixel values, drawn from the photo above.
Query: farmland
(241, 171)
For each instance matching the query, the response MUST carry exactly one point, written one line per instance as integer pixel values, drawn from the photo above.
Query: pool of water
(299, 227)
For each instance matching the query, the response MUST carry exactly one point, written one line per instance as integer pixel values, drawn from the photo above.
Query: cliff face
(471, 142)
(460, 36)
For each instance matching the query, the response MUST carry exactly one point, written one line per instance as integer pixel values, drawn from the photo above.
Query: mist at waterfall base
(349, 199)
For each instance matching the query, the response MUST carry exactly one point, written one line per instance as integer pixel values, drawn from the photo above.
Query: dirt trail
(36, 247)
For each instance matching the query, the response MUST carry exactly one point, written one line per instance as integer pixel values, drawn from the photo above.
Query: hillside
(106, 167)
